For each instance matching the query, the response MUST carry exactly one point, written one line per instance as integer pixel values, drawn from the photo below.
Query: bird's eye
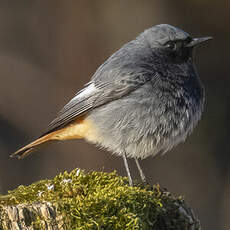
(171, 45)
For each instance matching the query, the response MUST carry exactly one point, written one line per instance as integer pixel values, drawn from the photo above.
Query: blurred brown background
(50, 49)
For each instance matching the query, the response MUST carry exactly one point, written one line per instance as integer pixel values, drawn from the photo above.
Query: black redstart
(143, 100)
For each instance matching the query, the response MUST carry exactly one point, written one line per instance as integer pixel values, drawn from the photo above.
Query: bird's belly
(139, 128)
(164, 137)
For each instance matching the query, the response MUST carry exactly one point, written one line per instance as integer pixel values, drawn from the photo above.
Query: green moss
(99, 200)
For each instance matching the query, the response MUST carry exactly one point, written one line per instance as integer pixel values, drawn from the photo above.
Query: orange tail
(76, 130)
(25, 151)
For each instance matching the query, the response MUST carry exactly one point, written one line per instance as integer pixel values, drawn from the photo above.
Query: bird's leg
(127, 169)
(142, 175)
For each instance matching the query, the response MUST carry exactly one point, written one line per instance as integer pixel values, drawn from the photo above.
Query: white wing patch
(85, 92)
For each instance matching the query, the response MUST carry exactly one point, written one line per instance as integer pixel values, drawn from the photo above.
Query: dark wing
(94, 95)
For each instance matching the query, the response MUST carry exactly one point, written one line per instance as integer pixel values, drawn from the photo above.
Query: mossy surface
(99, 200)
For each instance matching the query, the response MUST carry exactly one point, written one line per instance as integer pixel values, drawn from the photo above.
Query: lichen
(99, 200)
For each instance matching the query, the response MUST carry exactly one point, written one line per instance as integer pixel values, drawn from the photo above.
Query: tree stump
(95, 200)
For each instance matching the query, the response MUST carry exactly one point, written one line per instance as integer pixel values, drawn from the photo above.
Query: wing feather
(93, 95)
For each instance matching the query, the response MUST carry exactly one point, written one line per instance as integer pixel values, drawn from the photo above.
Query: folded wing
(93, 95)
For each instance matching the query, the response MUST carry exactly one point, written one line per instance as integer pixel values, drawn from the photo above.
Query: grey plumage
(143, 100)
(147, 97)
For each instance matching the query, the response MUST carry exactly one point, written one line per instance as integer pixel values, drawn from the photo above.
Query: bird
(143, 100)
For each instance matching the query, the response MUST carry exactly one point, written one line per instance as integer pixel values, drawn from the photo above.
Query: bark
(32, 216)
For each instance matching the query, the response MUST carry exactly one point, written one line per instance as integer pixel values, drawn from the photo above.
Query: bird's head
(172, 42)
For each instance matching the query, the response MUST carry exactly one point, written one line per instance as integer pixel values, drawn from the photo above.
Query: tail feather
(75, 130)
(25, 151)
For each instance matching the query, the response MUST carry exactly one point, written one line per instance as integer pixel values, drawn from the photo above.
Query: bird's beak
(197, 41)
